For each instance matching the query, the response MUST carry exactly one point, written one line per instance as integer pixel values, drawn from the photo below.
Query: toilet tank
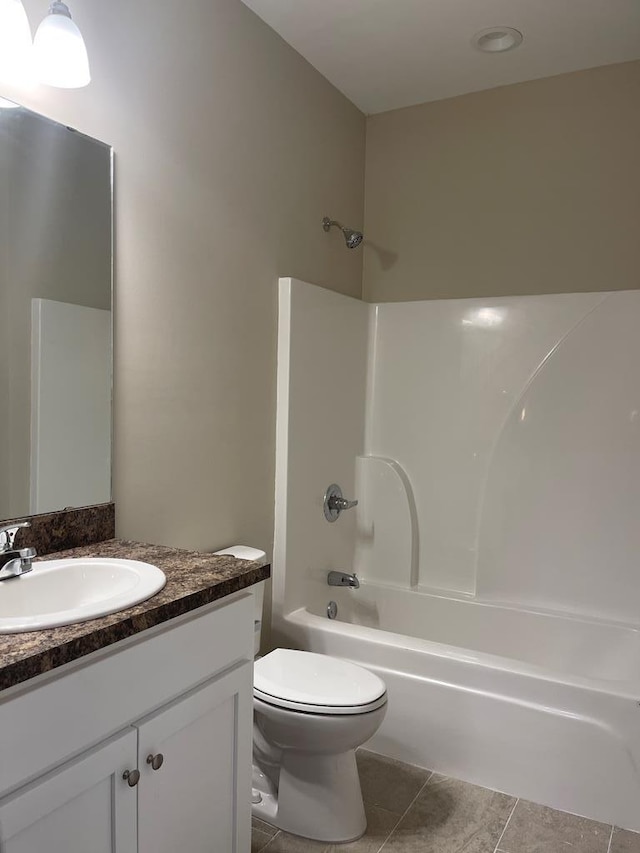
(244, 552)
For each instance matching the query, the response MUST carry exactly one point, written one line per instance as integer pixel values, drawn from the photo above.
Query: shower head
(352, 238)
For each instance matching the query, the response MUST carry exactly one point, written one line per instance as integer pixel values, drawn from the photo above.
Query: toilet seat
(328, 710)
(316, 684)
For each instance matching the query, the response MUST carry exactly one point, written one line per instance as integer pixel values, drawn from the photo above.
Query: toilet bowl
(311, 712)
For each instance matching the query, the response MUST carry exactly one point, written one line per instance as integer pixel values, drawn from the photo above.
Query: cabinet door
(197, 801)
(84, 806)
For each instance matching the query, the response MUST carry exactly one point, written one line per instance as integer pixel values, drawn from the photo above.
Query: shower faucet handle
(335, 503)
(341, 503)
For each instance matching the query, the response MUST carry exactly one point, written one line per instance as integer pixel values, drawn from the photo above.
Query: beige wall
(532, 188)
(229, 150)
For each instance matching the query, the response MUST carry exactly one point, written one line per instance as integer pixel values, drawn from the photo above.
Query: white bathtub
(541, 706)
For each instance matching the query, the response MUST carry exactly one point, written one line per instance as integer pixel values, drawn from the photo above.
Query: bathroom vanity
(132, 732)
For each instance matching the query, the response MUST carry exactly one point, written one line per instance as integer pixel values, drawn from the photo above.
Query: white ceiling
(385, 54)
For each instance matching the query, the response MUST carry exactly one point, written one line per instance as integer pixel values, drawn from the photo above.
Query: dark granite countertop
(193, 580)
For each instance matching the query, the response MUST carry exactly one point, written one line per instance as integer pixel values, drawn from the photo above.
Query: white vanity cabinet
(142, 748)
(83, 807)
(191, 795)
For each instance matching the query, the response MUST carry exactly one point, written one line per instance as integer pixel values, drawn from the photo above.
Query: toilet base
(318, 797)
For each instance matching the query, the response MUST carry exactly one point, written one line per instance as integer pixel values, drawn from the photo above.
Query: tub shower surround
(494, 446)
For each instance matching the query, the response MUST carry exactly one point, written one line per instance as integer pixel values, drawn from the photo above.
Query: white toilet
(311, 712)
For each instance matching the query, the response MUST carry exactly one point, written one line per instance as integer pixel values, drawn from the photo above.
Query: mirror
(55, 315)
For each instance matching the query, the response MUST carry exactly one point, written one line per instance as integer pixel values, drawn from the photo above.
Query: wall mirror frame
(56, 310)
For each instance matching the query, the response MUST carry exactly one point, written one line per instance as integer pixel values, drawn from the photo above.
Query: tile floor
(411, 810)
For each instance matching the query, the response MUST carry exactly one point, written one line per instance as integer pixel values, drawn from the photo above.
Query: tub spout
(343, 579)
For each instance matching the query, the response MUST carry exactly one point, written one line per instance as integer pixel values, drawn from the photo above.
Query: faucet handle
(8, 534)
(343, 503)
(334, 503)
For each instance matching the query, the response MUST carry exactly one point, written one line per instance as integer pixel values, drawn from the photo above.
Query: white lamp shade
(15, 42)
(60, 55)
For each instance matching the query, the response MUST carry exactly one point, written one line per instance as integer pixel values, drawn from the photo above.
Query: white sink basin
(61, 592)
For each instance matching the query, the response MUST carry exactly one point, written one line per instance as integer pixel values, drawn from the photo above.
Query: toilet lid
(316, 683)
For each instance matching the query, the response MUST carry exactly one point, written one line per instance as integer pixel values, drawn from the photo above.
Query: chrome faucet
(343, 579)
(334, 503)
(14, 561)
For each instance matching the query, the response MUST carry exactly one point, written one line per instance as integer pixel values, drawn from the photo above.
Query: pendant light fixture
(15, 41)
(60, 55)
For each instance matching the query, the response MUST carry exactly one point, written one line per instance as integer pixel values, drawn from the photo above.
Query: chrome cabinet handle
(131, 777)
(156, 761)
